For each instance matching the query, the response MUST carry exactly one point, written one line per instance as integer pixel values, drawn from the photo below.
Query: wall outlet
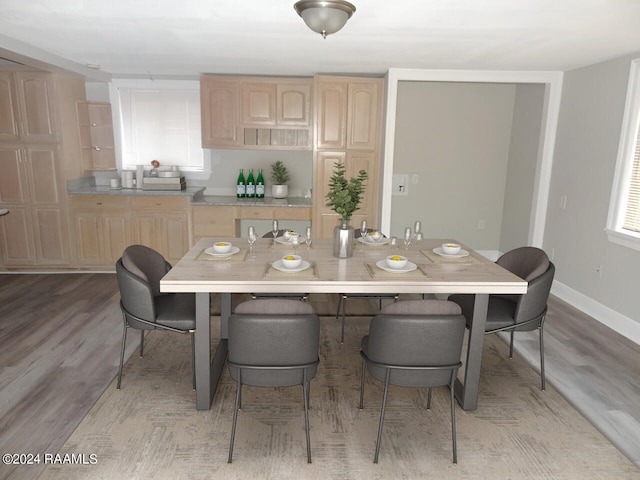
(481, 224)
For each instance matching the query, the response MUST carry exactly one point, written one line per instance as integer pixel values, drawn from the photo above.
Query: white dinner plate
(368, 241)
(460, 254)
(278, 265)
(287, 241)
(213, 253)
(409, 267)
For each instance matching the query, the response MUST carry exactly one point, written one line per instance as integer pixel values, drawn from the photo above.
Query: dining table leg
(467, 392)
(208, 371)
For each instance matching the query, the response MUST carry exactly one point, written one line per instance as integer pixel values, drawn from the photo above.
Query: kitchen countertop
(233, 201)
(87, 186)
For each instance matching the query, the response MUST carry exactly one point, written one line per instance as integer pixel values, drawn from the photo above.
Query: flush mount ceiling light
(324, 17)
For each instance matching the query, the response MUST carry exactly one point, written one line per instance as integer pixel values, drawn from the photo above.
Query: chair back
(533, 304)
(147, 264)
(269, 338)
(139, 272)
(525, 262)
(420, 333)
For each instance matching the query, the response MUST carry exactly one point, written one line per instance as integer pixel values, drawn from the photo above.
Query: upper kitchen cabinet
(27, 107)
(348, 112)
(256, 113)
(220, 112)
(95, 128)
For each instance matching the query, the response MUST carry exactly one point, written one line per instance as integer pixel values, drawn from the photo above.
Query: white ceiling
(189, 37)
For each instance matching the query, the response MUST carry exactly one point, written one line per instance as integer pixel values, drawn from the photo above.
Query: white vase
(279, 191)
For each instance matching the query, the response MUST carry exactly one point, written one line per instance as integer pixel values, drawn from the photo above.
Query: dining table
(259, 269)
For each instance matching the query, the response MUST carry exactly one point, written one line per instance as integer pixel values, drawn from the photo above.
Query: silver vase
(343, 234)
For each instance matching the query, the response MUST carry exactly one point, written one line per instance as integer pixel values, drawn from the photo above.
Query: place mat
(237, 257)
(379, 274)
(271, 273)
(439, 259)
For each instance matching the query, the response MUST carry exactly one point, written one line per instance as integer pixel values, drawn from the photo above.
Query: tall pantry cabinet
(33, 106)
(348, 131)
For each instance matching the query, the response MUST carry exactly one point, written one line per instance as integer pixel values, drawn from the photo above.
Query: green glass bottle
(240, 186)
(251, 185)
(260, 185)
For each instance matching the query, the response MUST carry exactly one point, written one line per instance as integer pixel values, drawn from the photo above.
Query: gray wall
(589, 127)
(456, 138)
(521, 170)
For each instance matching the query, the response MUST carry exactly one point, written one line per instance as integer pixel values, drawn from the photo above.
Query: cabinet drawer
(160, 202)
(296, 213)
(99, 203)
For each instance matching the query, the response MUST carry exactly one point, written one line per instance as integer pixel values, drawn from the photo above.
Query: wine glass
(407, 238)
(252, 237)
(417, 228)
(295, 241)
(363, 234)
(307, 239)
(274, 230)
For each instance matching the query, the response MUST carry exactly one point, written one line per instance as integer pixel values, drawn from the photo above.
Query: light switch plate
(400, 184)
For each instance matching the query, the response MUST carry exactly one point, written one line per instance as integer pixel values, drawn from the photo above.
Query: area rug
(151, 430)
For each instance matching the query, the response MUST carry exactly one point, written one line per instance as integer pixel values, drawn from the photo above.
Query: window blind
(632, 214)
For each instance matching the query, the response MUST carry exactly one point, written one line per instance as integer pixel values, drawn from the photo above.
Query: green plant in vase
(279, 177)
(344, 197)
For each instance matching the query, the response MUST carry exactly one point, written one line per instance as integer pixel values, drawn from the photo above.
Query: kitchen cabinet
(35, 230)
(211, 221)
(27, 107)
(220, 112)
(102, 229)
(256, 112)
(162, 223)
(348, 131)
(95, 130)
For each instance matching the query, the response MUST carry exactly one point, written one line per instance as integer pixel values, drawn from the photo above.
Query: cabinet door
(364, 115)
(219, 101)
(8, 109)
(95, 126)
(17, 237)
(36, 104)
(331, 120)
(356, 161)
(258, 103)
(324, 218)
(211, 221)
(165, 233)
(13, 181)
(294, 103)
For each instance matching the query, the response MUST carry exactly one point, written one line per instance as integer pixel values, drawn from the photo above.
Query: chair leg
(124, 342)
(364, 363)
(305, 393)
(141, 343)
(339, 305)
(429, 398)
(193, 358)
(235, 417)
(542, 377)
(344, 314)
(384, 406)
(511, 344)
(453, 421)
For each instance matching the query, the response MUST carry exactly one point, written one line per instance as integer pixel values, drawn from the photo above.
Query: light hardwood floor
(60, 338)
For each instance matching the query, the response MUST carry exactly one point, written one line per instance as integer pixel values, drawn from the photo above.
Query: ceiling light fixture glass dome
(324, 16)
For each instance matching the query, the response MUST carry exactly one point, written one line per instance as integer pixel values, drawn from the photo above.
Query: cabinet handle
(98, 203)
(97, 149)
(94, 125)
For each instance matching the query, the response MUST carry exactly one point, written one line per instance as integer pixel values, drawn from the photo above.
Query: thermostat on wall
(400, 184)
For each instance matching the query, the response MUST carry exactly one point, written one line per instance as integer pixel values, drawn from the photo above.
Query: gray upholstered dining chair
(516, 313)
(343, 297)
(414, 343)
(144, 307)
(273, 342)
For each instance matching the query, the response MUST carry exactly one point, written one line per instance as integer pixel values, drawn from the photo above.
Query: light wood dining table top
(199, 271)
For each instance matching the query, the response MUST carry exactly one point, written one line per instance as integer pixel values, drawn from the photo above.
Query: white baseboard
(618, 322)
